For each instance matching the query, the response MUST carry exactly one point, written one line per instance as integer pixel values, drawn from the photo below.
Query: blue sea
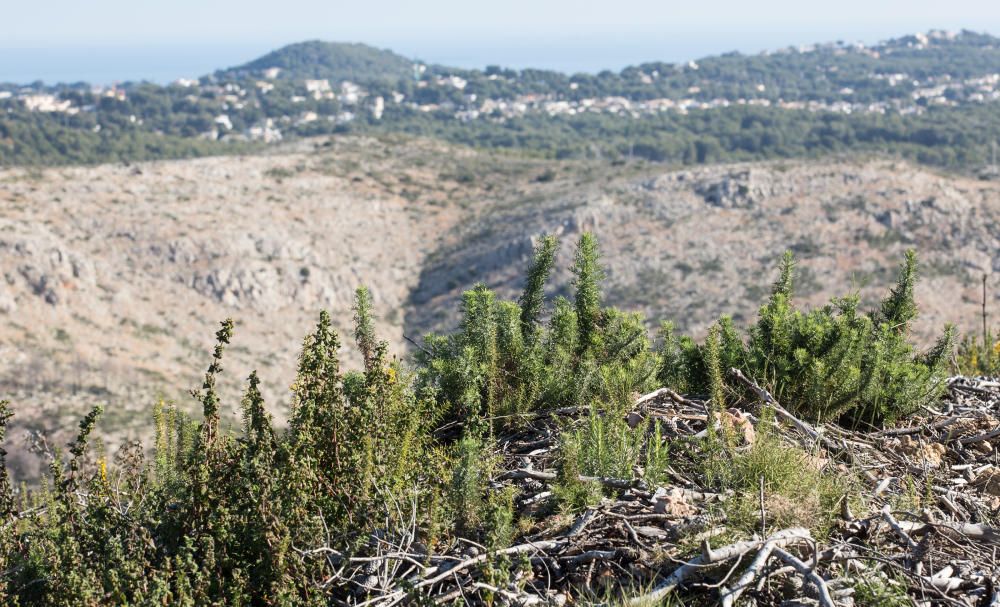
(565, 51)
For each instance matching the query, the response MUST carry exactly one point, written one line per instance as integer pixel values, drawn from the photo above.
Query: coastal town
(268, 104)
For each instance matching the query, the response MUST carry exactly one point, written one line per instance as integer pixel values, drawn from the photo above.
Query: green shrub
(265, 517)
(503, 363)
(979, 355)
(833, 363)
(798, 490)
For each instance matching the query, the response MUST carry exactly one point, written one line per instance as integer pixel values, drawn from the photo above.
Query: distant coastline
(566, 52)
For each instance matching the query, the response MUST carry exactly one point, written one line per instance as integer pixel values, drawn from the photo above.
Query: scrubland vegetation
(386, 475)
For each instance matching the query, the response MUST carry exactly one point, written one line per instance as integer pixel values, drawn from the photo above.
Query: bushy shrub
(831, 363)
(979, 355)
(505, 362)
(266, 517)
(219, 519)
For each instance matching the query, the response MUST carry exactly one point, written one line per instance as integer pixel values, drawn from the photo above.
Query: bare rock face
(40, 265)
(736, 190)
(7, 302)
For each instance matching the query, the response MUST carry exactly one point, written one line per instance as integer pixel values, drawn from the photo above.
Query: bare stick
(540, 475)
(765, 396)
(729, 596)
(395, 597)
(821, 588)
(968, 531)
(894, 524)
(709, 556)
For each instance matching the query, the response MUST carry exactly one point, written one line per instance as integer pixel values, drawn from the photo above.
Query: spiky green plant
(587, 279)
(266, 516)
(533, 298)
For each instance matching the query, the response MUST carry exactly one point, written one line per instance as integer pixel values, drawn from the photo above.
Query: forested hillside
(930, 98)
(328, 60)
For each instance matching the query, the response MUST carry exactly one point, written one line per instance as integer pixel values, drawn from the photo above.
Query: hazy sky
(52, 35)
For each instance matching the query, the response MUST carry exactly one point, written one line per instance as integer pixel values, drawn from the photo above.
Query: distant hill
(929, 97)
(316, 59)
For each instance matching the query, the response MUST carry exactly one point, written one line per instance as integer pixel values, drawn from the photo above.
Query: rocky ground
(113, 278)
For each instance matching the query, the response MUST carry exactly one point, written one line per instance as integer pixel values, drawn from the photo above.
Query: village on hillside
(264, 106)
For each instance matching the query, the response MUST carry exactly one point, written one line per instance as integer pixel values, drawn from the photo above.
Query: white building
(47, 103)
(319, 88)
(266, 132)
(224, 121)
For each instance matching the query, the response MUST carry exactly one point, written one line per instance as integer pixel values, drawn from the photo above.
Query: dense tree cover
(38, 139)
(268, 517)
(331, 60)
(819, 73)
(958, 138)
(949, 137)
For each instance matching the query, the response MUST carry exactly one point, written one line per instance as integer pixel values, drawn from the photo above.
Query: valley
(114, 277)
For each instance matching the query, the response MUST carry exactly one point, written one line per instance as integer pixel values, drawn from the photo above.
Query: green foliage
(216, 519)
(899, 308)
(151, 121)
(605, 444)
(587, 283)
(7, 507)
(797, 489)
(504, 363)
(266, 516)
(337, 61)
(831, 363)
(364, 332)
(533, 297)
(979, 355)
(882, 590)
(478, 512)
(713, 367)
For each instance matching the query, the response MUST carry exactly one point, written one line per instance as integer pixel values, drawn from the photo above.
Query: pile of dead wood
(655, 541)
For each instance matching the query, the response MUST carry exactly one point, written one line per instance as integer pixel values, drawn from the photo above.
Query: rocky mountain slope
(113, 278)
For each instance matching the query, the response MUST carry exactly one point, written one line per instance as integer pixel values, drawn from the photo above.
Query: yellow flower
(103, 466)
(392, 375)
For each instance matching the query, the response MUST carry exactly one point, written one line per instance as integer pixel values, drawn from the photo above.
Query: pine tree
(786, 270)
(533, 297)
(713, 365)
(899, 308)
(587, 283)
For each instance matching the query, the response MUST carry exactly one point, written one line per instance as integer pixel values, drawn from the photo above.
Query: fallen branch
(895, 526)
(710, 556)
(729, 596)
(810, 574)
(540, 475)
(765, 396)
(968, 531)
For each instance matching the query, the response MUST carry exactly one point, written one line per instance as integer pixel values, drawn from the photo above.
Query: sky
(107, 40)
